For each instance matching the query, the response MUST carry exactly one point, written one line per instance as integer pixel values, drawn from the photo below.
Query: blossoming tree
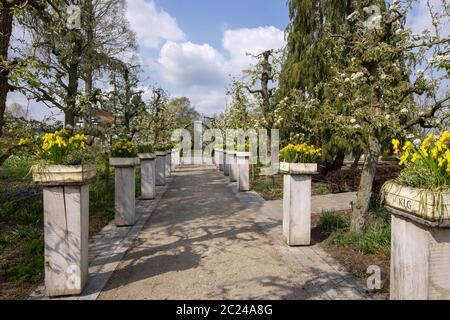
(373, 94)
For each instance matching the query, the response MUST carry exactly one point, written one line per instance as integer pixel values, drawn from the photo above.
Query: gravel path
(203, 242)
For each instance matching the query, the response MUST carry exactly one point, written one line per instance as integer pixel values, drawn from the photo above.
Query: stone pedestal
(221, 161)
(160, 169)
(168, 163)
(420, 258)
(173, 160)
(234, 170)
(66, 227)
(226, 166)
(244, 175)
(297, 203)
(148, 176)
(177, 158)
(125, 193)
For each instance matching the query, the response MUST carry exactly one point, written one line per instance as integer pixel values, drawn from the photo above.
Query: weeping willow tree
(306, 65)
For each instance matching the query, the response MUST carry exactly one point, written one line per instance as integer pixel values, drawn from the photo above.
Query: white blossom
(410, 136)
(352, 120)
(404, 110)
(353, 15)
(417, 142)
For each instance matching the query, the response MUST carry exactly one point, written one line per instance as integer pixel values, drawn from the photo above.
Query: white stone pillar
(66, 226)
(168, 163)
(234, 170)
(244, 174)
(220, 157)
(177, 158)
(160, 168)
(297, 203)
(125, 193)
(420, 258)
(226, 167)
(173, 160)
(148, 176)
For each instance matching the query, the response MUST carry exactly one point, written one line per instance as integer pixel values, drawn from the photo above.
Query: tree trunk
(361, 207)
(358, 155)
(89, 78)
(6, 21)
(337, 163)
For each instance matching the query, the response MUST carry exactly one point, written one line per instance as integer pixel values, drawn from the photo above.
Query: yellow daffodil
(395, 144)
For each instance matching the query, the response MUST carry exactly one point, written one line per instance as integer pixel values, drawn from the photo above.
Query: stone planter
(160, 168)
(220, 159)
(148, 189)
(168, 163)
(234, 170)
(226, 166)
(298, 168)
(420, 243)
(297, 202)
(125, 192)
(66, 226)
(422, 203)
(244, 176)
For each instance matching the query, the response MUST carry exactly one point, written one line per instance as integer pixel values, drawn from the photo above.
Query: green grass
(375, 240)
(17, 168)
(331, 221)
(29, 269)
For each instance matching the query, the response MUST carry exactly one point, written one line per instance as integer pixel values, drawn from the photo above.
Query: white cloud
(201, 72)
(188, 64)
(240, 42)
(205, 100)
(152, 25)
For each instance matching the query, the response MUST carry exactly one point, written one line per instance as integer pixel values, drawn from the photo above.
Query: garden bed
(345, 180)
(357, 252)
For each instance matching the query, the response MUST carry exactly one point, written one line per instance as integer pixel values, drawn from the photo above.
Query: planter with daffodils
(124, 161)
(65, 174)
(298, 164)
(419, 203)
(147, 159)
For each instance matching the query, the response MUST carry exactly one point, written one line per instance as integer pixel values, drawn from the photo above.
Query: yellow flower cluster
(61, 139)
(434, 149)
(23, 142)
(124, 148)
(300, 153)
(302, 148)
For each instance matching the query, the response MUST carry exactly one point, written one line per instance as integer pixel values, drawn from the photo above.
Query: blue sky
(206, 20)
(191, 48)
